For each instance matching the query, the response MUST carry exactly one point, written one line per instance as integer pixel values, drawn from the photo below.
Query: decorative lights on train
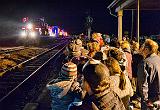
(29, 26)
(32, 34)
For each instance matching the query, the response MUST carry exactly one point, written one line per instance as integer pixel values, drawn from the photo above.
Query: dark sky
(70, 15)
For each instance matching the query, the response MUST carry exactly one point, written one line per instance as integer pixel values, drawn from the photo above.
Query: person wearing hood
(65, 89)
(127, 50)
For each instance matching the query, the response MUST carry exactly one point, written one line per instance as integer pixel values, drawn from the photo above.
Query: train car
(31, 28)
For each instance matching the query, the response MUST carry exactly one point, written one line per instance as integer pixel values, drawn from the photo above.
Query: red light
(25, 19)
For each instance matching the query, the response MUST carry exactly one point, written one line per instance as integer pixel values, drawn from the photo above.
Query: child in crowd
(65, 89)
(121, 83)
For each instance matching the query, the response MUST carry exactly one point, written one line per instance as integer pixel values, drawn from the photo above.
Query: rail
(35, 71)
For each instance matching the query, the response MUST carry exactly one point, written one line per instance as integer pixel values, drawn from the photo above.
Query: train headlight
(23, 34)
(30, 26)
(33, 34)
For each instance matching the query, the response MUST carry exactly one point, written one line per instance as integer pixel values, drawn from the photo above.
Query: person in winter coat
(127, 50)
(120, 56)
(74, 51)
(121, 83)
(97, 84)
(136, 59)
(65, 89)
(149, 75)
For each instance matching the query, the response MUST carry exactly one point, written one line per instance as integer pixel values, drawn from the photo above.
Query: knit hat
(69, 70)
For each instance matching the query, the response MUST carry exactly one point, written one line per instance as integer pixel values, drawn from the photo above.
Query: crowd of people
(95, 75)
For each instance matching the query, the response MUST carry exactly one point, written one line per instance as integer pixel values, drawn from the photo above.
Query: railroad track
(9, 50)
(13, 56)
(25, 82)
(15, 49)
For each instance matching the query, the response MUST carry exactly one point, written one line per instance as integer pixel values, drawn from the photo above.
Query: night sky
(70, 15)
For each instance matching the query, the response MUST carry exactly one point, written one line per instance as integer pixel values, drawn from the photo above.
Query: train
(31, 28)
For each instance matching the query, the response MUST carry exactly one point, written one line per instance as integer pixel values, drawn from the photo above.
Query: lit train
(33, 28)
(38, 27)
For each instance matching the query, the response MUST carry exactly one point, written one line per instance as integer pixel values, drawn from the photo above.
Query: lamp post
(89, 21)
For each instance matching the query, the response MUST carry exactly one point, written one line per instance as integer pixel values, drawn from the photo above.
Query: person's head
(96, 36)
(100, 56)
(115, 53)
(114, 68)
(93, 47)
(124, 38)
(95, 77)
(69, 71)
(126, 46)
(115, 43)
(135, 46)
(78, 42)
(149, 47)
(73, 49)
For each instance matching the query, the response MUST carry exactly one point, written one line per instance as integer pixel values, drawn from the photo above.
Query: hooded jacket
(63, 93)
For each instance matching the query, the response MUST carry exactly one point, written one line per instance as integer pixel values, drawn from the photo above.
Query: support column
(120, 14)
(138, 9)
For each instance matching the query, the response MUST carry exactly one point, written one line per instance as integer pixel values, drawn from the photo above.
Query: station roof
(132, 4)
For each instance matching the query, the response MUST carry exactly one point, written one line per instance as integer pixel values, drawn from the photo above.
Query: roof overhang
(132, 5)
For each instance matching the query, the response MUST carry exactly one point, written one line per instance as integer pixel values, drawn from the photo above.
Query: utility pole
(89, 21)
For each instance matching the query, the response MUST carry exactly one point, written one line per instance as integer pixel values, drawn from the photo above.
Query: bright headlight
(32, 34)
(23, 34)
(29, 26)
